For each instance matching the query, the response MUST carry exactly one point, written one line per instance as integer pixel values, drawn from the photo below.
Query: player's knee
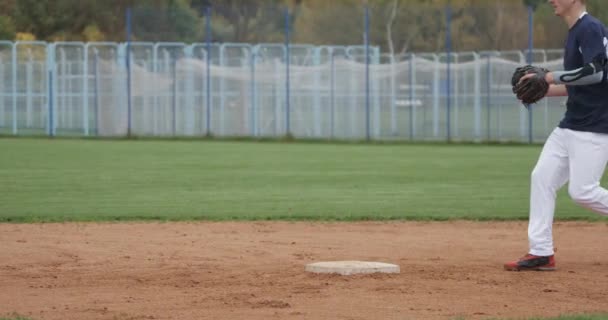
(582, 194)
(538, 178)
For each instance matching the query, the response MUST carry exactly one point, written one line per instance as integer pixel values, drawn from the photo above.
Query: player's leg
(588, 158)
(548, 176)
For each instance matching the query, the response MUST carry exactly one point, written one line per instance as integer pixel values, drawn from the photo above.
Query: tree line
(397, 26)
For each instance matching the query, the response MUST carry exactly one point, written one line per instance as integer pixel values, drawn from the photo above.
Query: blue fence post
(367, 61)
(332, 90)
(411, 92)
(287, 66)
(208, 58)
(530, 61)
(253, 123)
(448, 48)
(14, 80)
(174, 94)
(50, 102)
(489, 97)
(51, 66)
(96, 90)
(2, 106)
(128, 62)
(85, 80)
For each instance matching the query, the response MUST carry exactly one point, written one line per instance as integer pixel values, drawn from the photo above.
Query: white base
(351, 267)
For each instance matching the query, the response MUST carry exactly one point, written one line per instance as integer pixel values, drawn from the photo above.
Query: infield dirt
(255, 270)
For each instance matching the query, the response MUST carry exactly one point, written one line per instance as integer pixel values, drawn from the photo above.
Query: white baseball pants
(567, 156)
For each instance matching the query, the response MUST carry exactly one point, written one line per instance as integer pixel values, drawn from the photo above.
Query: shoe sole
(530, 269)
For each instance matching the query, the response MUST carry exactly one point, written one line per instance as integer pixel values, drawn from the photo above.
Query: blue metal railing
(343, 92)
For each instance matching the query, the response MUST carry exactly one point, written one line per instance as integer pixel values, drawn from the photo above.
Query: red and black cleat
(532, 262)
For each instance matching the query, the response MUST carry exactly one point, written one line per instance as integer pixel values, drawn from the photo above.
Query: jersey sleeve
(594, 44)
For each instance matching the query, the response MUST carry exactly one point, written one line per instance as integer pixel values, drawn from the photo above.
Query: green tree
(171, 20)
(67, 19)
(533, 3)
(329, 22)
(396, 25)
(246, 21)
(7, 28)
(599, 9)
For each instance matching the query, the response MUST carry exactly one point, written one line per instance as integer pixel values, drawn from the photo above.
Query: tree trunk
(389, 28)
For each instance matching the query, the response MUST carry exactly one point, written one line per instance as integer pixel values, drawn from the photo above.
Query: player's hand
(529, 83)
(548, 77)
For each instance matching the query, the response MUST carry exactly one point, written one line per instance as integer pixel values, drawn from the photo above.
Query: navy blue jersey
(587, 107)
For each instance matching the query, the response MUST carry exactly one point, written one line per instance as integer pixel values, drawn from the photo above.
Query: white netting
(242, 91)
(407, 97)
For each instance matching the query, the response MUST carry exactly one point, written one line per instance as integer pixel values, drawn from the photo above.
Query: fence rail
(267, 90)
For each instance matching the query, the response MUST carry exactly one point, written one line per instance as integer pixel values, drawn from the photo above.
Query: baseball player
(577, 150)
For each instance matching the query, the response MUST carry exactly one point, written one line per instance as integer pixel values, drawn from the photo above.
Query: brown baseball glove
(530, 90)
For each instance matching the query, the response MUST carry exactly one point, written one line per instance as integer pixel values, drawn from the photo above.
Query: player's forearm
(591, 73)
(557, 90)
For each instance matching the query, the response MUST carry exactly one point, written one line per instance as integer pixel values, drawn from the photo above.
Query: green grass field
(96, 180)
(588, 317)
